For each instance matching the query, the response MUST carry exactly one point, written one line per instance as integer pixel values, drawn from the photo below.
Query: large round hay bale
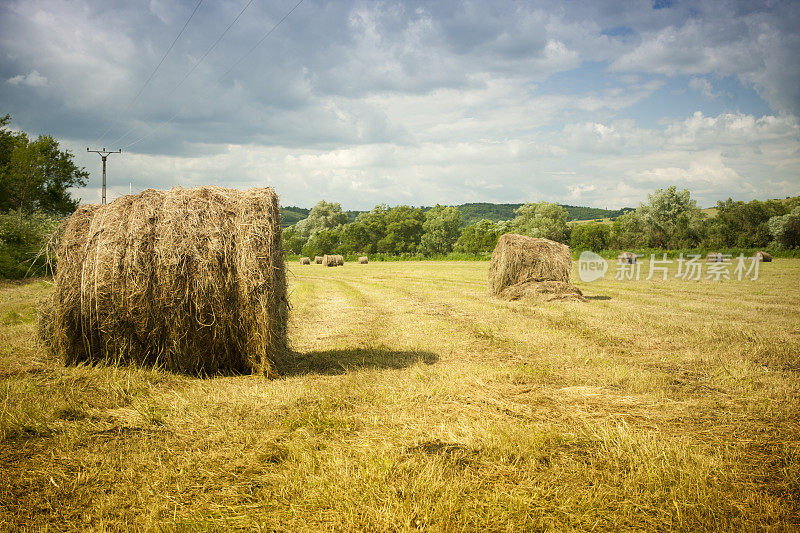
(318, 259)
(329, 260)
(762, 256)
(189, 279)
(339, 260)
(627, 258)
(363, 260)
(520, 265)
(305, 261)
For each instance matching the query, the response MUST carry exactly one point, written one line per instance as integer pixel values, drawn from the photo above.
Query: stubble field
(415, 402)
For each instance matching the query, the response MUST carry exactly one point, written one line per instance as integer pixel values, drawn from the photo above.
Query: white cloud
(31, 79)
(703, 86)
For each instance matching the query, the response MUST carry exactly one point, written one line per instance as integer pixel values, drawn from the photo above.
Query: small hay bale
(317, 259)
(191, 280)
(762, 256)
(305, 261)
(339, 260)
(525, 266)
(363, 260)
(626, 258)
(329, 260)
(714, 257)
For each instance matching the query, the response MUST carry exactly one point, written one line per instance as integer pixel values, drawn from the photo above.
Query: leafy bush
(23, 239)
(786, 229)
(591, 236)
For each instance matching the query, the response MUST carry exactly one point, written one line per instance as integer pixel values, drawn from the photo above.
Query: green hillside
(290, 215)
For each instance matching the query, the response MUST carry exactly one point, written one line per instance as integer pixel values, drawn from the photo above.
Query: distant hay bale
(363, 260)
(525, 266)
(191, 280)
(626, 258)
(318, 259)
(329, 260)
(305, 261)
(714, 257)
(762, 256)
(339, 260)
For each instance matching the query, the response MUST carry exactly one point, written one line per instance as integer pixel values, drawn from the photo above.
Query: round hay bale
(762, 256)
(305, 261)
(329, 260)
(339, 260)
(363, 260)
(627, 258)
(191, 280)
(317, 259)
(525, 262)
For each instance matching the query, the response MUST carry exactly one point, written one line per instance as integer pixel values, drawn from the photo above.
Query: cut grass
(415, 402)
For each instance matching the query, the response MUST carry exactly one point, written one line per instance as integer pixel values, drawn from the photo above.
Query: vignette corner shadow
(333, 362)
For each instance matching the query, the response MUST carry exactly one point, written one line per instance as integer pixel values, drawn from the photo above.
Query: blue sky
(364, 102)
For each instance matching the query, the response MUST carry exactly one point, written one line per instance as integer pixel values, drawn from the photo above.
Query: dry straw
(339, 260)
(525, 266)
(318, 259)
(329, 260)
(363, 260)
(189, 279)
(305, 261)
(762, 256)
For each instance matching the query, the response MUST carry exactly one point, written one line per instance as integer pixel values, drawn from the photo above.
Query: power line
(197, 64)
(263, 38)
(152, 74)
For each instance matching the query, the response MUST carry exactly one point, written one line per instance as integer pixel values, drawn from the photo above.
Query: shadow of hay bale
(334, 362)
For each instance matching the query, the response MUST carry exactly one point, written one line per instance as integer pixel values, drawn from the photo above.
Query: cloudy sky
(401, 102)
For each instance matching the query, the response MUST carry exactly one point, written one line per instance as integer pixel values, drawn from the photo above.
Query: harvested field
(415, 402)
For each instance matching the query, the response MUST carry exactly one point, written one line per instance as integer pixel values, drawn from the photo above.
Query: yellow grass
(415, 402)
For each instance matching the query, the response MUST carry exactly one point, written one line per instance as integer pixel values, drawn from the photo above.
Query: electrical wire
(197, 64)
(236, 63)
(152, 74)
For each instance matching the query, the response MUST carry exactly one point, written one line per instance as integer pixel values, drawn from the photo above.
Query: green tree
(481, 236)
(592, 236)
(786, 229)
(671, 219)
(403, 230)
(323, 216)
(442, 228)
(354, 238)
(292, 242)
(36, 175)
(321, 243)
(743, 224)
(544, 219)
(627, 232)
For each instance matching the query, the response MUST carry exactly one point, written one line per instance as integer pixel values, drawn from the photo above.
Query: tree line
(35, 178)
(670, 219)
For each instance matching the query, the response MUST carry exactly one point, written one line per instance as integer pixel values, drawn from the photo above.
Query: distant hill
(473, 212)
(290, 215)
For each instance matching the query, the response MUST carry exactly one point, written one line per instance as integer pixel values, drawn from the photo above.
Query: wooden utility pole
(104, 155)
